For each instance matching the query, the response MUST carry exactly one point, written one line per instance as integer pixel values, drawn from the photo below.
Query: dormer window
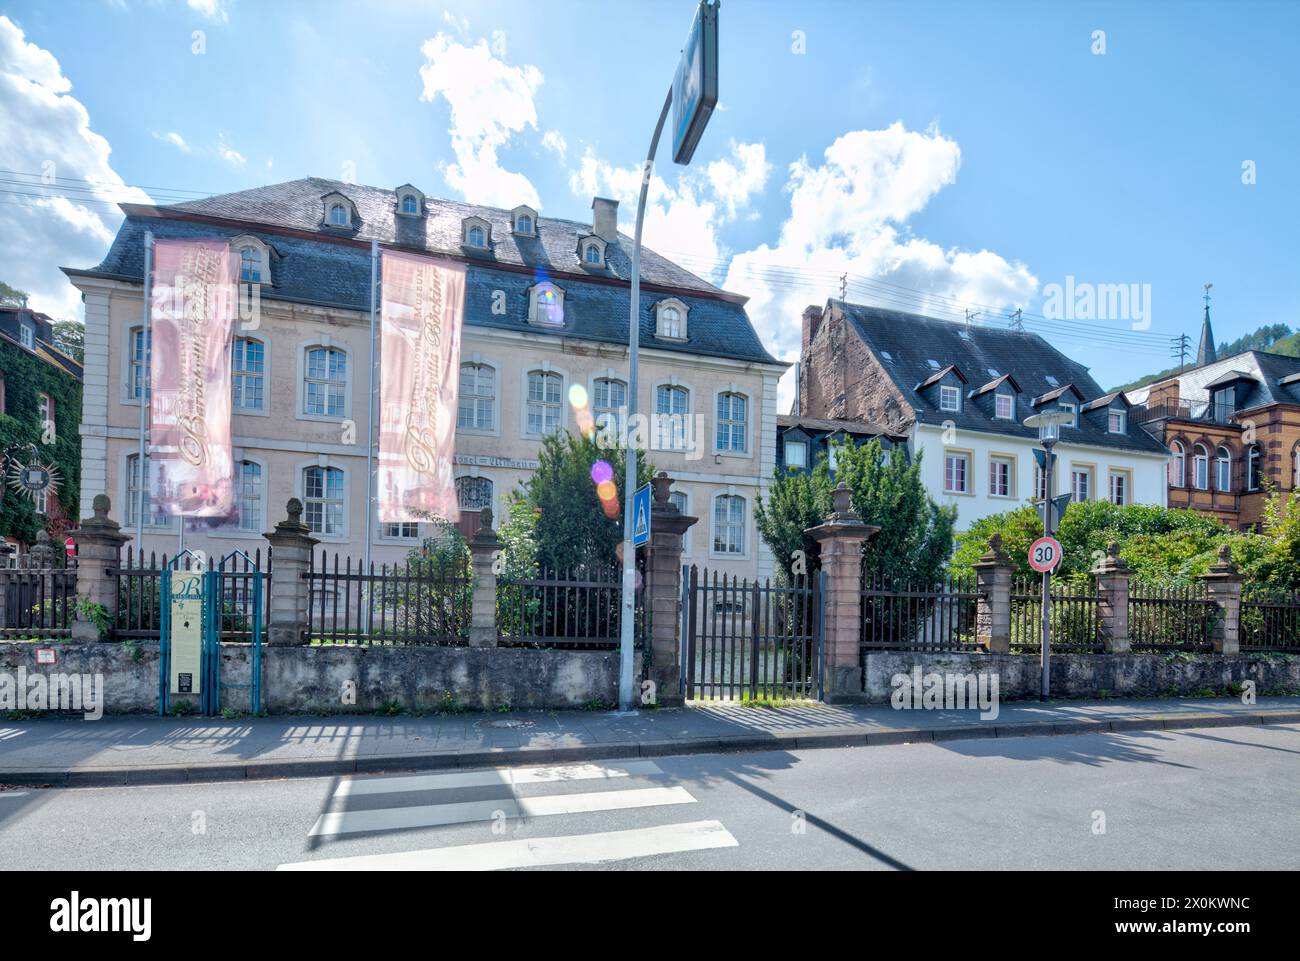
(338, 215)
(591, 250)
(1073, 412)
(477, 233)
(1004, 406)
(339, 211)
(1117, 422)
(591, 255)
(949, 398)
(524, 220)
(250, 266)
(254, 259)
(546, 305)
(410, 202)
(670, 319)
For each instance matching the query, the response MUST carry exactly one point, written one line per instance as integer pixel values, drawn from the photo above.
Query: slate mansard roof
(315, 264)
(905, 344)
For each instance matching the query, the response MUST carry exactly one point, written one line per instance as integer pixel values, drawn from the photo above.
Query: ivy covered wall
(25, 377)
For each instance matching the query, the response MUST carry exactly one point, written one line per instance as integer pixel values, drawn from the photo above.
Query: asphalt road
(1216, 798)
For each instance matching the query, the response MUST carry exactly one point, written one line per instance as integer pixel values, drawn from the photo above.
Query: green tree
(1279, 565)
(916, 534)
(12, 296)
(70, 337)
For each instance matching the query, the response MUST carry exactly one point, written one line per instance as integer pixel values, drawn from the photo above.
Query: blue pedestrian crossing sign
(641, 516)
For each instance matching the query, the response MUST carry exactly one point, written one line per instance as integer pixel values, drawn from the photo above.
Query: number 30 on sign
(1045, 554)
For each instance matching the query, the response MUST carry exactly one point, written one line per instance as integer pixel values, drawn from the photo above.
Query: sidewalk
(151, 750)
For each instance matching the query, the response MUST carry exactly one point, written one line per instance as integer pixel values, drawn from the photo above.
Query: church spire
(1205, 354)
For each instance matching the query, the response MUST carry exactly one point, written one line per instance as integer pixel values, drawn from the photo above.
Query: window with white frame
(682, 502)
(672, 407)
(1004, 406)
(733, 430)
(1001, 475)
(729, 524)
(27, 334)
(45, 411)
(1177, 465)
(478, 398)
(591, 255)
(949, 398)
(325, 382)
(322, 501)
(400, 530)
(138, 375)
(153, 518)
(609, 400)
(670, 320)
(1201, 468)
(524, 225)
(339, 216)
(476, 236)
(473, 493)
(248, 495)
(1117, 422)
(248, 374)
(796, 454)
(1295, 454)
(250, 265)
(547, 304)
(1081, 483)
(1253, 466)
(1222, 470)
(1073, 411)
(410, 204)
(543, 409)
(956, 473)
(1119, 484)
(41, 502)
(1040, 483)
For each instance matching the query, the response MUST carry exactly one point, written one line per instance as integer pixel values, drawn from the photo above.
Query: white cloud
(554, 141)
(214, 10)
(175, 139)
(229, 153)
(459, 24)
(737, 179)
(490, 102)
(848, 215)
(72, 221)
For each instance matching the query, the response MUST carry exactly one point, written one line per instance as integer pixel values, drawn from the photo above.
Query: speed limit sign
(1045, 554)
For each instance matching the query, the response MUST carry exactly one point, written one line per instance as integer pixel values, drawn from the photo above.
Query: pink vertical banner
(423, 303)
(192, 317)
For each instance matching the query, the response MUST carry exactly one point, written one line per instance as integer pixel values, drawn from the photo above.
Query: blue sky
(974, 152)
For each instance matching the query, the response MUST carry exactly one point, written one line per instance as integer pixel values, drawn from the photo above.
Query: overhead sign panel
(695, 87)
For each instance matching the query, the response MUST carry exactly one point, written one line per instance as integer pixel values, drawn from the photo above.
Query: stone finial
(294, 511)
(995, 554)
(842, 499)
(485, 519)
(662, 485)
(1223, 567)
(101, 506)
(1225, 554)
(1112, 550)
(995, 542)
(1111, 562)
(292, 525)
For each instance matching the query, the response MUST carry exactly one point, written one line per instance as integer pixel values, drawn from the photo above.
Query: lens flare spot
(578, 395)
(606, 491)
(601, 472)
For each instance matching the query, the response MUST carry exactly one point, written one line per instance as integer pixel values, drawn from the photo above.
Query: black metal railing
(575, 609)
(1074, 624)
(1170, 618)
(38, 602)
(1270, 620)
(423, 601)
(139, 592)
(903, 616)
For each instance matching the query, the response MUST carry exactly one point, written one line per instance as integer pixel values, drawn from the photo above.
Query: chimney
(812, 319)
(604, 219)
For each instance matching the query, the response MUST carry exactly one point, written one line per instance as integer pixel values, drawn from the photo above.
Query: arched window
(478, 397)
(729, 524)
(672, 407)
(477, 236)
(733, 422)
(250, 265)
(591, 254)
(1295, 454)
(543, 409)
(248, 374)
(672, 322)
(1222, 470)
(325, 383)
(410, 204)
(1178, 465)
(322, 489)
(609, 400)
(339, 216)
(524, 225)
(473, 493)
(547, 304)
(1253, 467)
(1201, 467)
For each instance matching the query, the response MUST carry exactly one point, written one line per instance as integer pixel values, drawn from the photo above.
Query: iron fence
(139, 593)
(1170, 618)
(1270, 620)
(904, 616)
(575, 609)
(423, 601)
(38, 602)
(1074, 624)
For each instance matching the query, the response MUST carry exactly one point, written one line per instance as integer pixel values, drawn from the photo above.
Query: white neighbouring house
(961, 393)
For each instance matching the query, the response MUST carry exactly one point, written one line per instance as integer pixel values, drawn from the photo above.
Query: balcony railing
(1209, 411)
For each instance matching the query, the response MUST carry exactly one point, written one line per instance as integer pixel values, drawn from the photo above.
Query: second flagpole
(370, 417)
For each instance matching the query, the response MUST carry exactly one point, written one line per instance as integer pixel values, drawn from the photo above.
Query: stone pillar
(841, 539)
(663, 591)
(1112, 576)
(993, 573)
(291, 544)
(98, 540)
(1223, 587)
(483, 548)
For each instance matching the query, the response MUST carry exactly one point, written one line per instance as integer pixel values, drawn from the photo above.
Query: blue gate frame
(210, 683)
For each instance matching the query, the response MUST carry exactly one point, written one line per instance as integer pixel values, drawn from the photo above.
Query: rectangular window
(1040, 483)
(956, 472)
(1005, 407)
(543, 408)
(1118, 423)
(608, 403)
(248, 488)
(28, 335)
(323, 499)
(45, 410)
(1073, 412)
(1000, 474)
(1081, 484)
(139, 375)
(1225, 403)
(729, 524)
(1118, 488)
(732, 422)
(326, 386)
(405, 530)
(949, 398)
(248, 373)
(152, 518)
(478, 398)
(671, 411)
(796, 454)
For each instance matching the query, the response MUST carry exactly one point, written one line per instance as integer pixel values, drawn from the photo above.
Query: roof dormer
(254, 259)
(591, 252)
(670, 319)
(944, 388)
(523, 221)
(476, 234)
(339, 212)
(410, 201)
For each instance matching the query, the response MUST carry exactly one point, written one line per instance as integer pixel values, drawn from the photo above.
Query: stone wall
(315, 679)
(1094, 675)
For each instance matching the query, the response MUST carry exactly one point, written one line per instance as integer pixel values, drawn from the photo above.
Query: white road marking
(505, 776)
(539, 852)
(5, 794)
(432, 815)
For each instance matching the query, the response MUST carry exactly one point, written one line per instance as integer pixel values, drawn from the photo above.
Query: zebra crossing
(375, 805)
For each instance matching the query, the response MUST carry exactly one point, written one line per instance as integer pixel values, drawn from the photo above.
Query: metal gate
(750, 641)
(232, 609)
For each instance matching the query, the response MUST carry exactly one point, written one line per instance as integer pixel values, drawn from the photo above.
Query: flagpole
(370, 411)
(145, 377)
